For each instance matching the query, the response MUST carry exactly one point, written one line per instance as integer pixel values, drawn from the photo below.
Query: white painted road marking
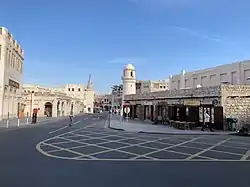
(84, 154)
(58, 129)
(205, 150)
(76, 122)
(176, 145)
(246, 155)
(63, 127)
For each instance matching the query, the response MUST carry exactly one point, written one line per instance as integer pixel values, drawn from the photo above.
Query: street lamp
(31, 103)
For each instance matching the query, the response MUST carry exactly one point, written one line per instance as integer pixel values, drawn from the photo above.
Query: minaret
(89, 85)
(89, 96)
(129, 82)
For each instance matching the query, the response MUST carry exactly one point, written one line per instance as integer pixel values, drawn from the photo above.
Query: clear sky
(64, 41)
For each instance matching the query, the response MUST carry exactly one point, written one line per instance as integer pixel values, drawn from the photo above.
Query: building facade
(237, 73)
(11, 67)
(60, 101)
(143, 86)
(85, 94)
(103, 102)
(49, 104)
(189, 105)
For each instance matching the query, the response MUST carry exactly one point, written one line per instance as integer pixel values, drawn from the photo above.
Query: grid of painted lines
(104, 144)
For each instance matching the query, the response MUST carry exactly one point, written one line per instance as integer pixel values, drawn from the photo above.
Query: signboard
(192, 103)
(14, 83)
(126, 110)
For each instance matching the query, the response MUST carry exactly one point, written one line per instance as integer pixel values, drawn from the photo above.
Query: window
(195, 82)
(203, 80)
(79, 89)
(160, 86)
(185, 84)
(131, 74)
(164, 87)
(69, 89)
(21, 69)
(247, 76)
(212, 78)
(15, 62)
(156, 86)
(223, 78)
(9, 60)
(73, 89)
(234, 78)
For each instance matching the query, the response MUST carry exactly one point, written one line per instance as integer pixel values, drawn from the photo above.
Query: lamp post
(31, 103)
(112, 98)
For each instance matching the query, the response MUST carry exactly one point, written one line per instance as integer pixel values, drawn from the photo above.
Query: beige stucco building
(189, 105)
(222, 91)
(237, 73)
(85, 94)
(60, 101)
(11, 66)
(49, 103)
(103, 101)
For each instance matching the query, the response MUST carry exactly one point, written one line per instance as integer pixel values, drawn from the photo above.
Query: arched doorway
(48, 109)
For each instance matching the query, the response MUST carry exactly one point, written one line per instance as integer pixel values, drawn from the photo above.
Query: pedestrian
(207, 123)
(71, 119)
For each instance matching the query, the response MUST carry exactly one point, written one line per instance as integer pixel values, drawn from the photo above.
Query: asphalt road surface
(90, 154)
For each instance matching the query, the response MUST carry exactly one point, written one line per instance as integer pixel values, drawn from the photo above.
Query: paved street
(88, 154)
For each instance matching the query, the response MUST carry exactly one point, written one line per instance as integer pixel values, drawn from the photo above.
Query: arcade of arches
(51, 105)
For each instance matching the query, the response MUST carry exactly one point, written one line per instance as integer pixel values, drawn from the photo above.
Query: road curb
(170, 133)
(167, 133)
(117, 129)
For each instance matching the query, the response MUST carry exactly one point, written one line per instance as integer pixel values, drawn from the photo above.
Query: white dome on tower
(129, 67)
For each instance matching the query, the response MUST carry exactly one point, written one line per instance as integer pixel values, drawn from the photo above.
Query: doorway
(48, 109)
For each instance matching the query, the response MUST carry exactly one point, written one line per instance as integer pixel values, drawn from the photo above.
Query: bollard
(18, 122)
(7, 125)
(27, 121)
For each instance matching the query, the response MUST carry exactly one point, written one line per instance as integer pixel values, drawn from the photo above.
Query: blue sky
(64, 41)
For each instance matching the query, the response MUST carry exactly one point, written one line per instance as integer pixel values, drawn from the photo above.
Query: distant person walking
(71, 118)
(207, 123)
